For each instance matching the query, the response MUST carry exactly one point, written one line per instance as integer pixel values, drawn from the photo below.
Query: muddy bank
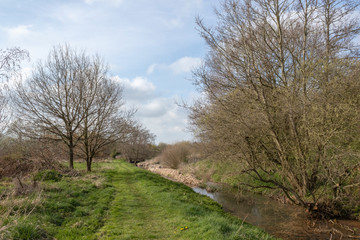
(154, 166)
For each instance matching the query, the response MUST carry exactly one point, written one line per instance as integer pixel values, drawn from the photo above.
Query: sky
(151, 48)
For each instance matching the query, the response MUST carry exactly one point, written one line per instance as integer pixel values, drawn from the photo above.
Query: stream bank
(281, 220)
(154, 166)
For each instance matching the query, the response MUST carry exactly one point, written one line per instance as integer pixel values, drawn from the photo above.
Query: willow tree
(281, 84)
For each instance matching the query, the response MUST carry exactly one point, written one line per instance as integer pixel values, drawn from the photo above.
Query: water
(281, 220)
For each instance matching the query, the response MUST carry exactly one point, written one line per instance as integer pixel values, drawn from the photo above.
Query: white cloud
(161, 115)
(71, 15)
(185, 64)
(182, 65)
(89, 1)
(142, 84)
(136, 90)
(115, 3)
(155, 108)
(171, 125)
(19, 31)
(174, 23)
(151, 69)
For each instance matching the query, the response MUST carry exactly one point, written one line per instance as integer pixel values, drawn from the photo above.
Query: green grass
(27, 230)
(120, 201)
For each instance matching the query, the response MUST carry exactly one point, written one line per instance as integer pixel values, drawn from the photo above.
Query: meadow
(116, 201)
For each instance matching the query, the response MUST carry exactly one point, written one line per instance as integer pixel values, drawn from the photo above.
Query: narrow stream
(281, 220)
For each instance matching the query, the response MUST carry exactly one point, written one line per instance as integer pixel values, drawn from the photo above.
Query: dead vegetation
(155, 166)
(22, 167)
(174, 155)
(17, 201)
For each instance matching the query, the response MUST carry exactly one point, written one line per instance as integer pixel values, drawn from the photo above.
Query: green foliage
(47, 175)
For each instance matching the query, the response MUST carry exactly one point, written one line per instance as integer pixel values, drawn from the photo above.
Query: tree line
(70, 100)
(281, 88)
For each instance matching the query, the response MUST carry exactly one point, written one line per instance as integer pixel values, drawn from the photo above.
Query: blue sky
(150, 46)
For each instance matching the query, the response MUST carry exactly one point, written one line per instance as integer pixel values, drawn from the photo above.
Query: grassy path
(147, 206)
(119, 201)
(133, 213)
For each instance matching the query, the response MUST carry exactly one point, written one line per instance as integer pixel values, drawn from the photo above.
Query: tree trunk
(71, 157)
(88, 164)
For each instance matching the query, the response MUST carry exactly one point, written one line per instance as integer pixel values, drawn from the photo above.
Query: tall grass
(15, 211)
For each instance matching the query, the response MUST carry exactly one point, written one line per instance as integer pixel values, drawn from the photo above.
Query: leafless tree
(280, 82)
(104, 119)
(51, 102)
(10, 60)
(137, 143)
(3, 104)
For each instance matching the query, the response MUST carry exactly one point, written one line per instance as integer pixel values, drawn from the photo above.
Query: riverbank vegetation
(115, 201)
(280, 89)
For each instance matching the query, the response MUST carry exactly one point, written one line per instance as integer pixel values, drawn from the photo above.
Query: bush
(114, 153)
(48, 175)
(174, 155)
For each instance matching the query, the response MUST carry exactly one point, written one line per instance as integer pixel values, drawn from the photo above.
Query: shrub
(113, 154)
(174, 155)
(48, 175)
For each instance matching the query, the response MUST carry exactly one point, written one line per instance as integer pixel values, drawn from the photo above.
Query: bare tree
(280, 85)
(137, 143)
(104, 119)
(10, 60)
(51, 102)
(3, 104)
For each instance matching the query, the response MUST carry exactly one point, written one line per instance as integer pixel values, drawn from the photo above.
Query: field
(117, 201)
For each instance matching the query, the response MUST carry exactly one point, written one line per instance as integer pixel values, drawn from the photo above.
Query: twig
(238, 231)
